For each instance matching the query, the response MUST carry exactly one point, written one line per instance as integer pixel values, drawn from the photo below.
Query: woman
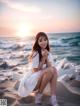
(43, 71)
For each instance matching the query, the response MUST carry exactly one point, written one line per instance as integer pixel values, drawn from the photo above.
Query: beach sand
(8, 90)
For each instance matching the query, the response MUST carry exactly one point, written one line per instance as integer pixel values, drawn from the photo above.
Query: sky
(27, 17)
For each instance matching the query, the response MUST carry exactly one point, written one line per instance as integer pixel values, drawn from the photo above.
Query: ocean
(64, 46)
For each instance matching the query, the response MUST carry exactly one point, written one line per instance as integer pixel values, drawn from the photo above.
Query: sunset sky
(26, 17)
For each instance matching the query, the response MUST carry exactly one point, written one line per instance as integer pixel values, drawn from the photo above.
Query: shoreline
(64, 97)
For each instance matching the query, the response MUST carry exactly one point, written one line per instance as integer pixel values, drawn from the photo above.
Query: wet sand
(8, 90)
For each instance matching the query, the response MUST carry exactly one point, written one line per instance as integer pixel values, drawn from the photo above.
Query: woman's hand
(44, 55)
(44, 52)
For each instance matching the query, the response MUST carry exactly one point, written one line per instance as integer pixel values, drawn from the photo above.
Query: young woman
(42, 74)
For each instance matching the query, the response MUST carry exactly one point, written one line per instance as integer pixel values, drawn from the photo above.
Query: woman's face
(42, 41)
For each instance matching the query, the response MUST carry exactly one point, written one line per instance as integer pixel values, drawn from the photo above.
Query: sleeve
(51, 60)
(35, 60)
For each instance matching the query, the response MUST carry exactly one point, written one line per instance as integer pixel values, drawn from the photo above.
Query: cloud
(21, 7)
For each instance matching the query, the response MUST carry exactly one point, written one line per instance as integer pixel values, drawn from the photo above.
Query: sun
(23, 30)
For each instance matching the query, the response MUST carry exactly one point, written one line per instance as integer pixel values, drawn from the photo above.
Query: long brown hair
(36, 47)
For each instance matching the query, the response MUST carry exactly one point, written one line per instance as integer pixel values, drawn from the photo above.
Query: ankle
(39, 94)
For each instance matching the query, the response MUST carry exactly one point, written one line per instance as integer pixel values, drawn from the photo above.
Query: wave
(74, 58)
(72, 41)
(65, 41)
(9, 46)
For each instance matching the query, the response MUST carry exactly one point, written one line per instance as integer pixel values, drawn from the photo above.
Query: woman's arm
(41, 63)
(45, 54)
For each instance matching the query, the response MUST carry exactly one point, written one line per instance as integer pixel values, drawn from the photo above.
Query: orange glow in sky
(24, 18)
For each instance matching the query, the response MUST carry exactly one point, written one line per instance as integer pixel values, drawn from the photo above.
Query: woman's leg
(53, 84)
(50, 76)
(53, 81)
(44, 79)
(47, 76)
(38, 95)
(39, 83)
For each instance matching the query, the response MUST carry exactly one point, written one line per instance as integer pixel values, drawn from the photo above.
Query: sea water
(64, 46)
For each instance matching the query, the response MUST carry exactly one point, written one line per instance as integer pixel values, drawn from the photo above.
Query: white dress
(30, 79)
